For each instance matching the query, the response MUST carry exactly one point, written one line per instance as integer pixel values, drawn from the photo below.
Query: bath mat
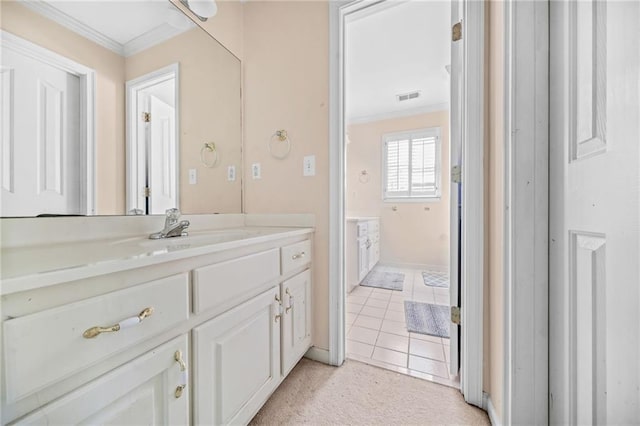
(425, 318)
(436, 279)
(387, 280)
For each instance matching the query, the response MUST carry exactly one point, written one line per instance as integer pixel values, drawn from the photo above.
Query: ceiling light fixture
(203, 9)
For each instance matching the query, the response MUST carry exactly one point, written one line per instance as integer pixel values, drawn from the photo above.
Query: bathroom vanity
(113, 327)
(362, 247)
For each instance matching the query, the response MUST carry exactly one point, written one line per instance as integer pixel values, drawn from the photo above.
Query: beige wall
(416, 233)
(210, 107)
(109, 67)
(286, 86)
(495, 191)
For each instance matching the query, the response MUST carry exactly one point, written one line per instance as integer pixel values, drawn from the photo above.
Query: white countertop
(25, 268)
(360, 218)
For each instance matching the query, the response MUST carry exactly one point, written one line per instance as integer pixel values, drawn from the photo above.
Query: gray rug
(425, 318)
(436, 279)
(387, 280)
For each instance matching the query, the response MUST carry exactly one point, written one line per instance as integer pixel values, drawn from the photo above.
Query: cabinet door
(363, 260)
(142, 391)
(237, 361)
(296, 324)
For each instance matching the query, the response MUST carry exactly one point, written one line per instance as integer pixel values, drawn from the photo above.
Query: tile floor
(377, 333)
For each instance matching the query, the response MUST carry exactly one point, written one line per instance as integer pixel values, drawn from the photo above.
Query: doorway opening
(397, 190)
(152, 142)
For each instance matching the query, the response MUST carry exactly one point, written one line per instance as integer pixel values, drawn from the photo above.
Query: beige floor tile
(442, 300)
(361, 291)
(441, 291)
(358, 348)
(363, 335)
(377, 303)
(396, 306)
(358, 300)
(427, 337)
(394, 316)
(373, 312)
(353, 308)
(368, 322)
(394, 327)
(393, 341)
(389, 356)
(428, 366)
(380, 296)
(350, 318)
(426, 349)
(424, 298)
(381, 290)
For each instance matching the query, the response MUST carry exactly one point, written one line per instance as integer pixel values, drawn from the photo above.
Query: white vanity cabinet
(147, 390)
(210, 335)
(362, 248)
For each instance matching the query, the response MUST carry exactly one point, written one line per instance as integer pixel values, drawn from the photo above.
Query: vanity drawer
(56, 335)
(363, 229)
(222, 283)
(296, 255)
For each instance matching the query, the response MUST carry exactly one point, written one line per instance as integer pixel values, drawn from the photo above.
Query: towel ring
(364, 177)
(280, 136)
(209, 147)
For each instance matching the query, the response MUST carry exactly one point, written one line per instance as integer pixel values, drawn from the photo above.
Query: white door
(40, 148)
(296, 322)
(594, 323)
(237, 361)
(142, 391)
(455, 160)
(162, 147)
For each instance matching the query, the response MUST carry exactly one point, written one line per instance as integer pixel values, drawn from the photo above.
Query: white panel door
(141, 392)
(296, 320)
(594, 262)
(237, 361)
(162, 167)
(40, 145)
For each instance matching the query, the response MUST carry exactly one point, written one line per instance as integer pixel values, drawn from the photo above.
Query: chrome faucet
(172, 227)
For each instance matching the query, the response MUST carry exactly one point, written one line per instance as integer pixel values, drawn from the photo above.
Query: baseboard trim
(318, 354)
(424, 266)
(487, 406)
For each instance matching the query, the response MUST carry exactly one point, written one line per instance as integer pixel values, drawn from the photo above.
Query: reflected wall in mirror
(89, 125)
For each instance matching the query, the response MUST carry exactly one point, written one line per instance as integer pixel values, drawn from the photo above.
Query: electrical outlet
(231, 173)
(193, 176)
(309, 165)
(255, 171)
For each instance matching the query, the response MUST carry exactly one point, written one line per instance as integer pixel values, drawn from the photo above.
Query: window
(411, 162)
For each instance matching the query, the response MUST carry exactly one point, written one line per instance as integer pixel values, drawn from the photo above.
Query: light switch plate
(193, 176)
(231, 173)
(255, 171)
(309, 165)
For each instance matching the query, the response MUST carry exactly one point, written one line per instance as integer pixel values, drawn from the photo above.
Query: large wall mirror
(116, 107)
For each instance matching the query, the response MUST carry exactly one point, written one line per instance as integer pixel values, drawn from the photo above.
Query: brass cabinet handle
(92, 332)
(278, 308)
(298, 256)
(288, 300)
(184, 374)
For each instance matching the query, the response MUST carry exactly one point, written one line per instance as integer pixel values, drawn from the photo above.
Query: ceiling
(125, 27)
(398, 49)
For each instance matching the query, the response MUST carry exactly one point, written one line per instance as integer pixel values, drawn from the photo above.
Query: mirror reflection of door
(152, 142)
(42, 143)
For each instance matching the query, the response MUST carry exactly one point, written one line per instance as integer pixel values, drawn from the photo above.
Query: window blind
(411, 165)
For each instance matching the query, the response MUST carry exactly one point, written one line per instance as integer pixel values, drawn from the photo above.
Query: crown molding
(397, 114)
(157, 35)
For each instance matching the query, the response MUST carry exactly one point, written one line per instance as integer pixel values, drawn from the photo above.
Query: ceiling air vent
(407, 96)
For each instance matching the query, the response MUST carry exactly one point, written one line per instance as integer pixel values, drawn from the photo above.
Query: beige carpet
(358, 393)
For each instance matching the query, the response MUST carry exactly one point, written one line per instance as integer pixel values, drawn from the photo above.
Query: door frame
(526, 228)
(87, 132)
(132, 88)
(473, 199)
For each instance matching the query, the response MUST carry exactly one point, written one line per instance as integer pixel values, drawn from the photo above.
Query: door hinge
(147, 191)
(455, 315)
(456, 174)
(456, 31)
(146, 117)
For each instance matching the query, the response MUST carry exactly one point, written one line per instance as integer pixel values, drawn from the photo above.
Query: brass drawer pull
(184, 374)
(298, 256)
(129, 322)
